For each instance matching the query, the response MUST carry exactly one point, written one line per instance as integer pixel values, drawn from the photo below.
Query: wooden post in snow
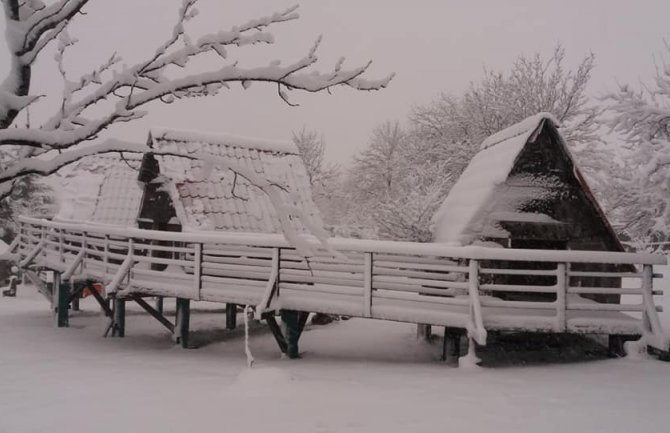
(562, 282)
(62, 300)
(231, 316)
(159, 304)
(118, 317)
(182, 321)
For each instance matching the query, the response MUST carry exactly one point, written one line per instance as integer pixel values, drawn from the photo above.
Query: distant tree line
(396, 183)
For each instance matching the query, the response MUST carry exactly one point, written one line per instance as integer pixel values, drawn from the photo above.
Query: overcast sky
(432, 45)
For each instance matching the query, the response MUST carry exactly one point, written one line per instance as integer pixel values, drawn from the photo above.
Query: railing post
(197, 270)
(367, 293)
(60, 245)
(43, 239)
(652, 323)
(131, 253)
(106, 254)
(478, 333)
(84, 245)
(561, 296)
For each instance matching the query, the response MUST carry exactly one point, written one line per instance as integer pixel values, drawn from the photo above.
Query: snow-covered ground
(356, 376)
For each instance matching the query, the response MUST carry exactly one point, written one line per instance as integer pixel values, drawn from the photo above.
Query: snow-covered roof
(460, 218)
(102, 189)
(209, 198)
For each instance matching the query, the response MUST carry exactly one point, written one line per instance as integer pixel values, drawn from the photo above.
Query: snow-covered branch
(129, 88)
(642, 118)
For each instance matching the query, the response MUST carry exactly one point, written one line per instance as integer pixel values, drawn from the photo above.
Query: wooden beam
(154, 313)
(276, 331)
(104, 305)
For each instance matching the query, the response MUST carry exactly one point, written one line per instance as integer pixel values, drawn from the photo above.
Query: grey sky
(432, 45)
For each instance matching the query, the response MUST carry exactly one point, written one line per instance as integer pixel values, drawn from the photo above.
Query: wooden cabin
(524, 190)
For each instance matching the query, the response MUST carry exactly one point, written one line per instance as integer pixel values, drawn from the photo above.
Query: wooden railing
(474, 288)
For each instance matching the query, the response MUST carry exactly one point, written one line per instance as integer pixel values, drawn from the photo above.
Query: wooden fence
(475, 288)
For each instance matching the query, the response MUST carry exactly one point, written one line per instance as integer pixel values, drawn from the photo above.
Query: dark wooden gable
(579, 221)
(157, 211)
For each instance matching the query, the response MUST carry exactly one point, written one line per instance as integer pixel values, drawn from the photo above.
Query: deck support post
(62, 301)
(182, 321)
(159, 305)
(615, 347)
(231, 316)
(75, 303)
(424, 332)
(294, 321)
(118, 317)
(451, 347)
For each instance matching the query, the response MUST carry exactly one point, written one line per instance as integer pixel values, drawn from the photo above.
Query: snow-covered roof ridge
(223, 139)
(526, 127)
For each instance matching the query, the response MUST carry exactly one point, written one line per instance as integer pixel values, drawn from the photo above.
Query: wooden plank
(328, 267)
(531, 272)
(240, 275)
(323, 288)
(341, 281)
(438, 276)
(423, 266)
(406, 287)
(605, 291)
(212, 281)
(605, 274)
(494, 302)
(597, 306)
(413, 259)
(239, 260)
(415, 297)
(415, 281)
(518, 288)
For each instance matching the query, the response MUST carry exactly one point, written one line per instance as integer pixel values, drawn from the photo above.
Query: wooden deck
(455, 287)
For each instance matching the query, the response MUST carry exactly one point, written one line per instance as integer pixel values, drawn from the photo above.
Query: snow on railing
(474, 288)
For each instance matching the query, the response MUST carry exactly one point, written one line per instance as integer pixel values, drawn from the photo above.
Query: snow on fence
(475, 288)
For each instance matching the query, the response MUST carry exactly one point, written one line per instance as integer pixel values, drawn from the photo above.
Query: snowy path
(358, 376)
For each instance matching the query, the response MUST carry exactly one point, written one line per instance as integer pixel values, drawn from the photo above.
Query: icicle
(247, 351)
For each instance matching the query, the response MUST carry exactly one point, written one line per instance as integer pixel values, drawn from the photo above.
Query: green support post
(231, 316)
(294, 322)
(182, 321)
(62, 303)
(119, 317)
